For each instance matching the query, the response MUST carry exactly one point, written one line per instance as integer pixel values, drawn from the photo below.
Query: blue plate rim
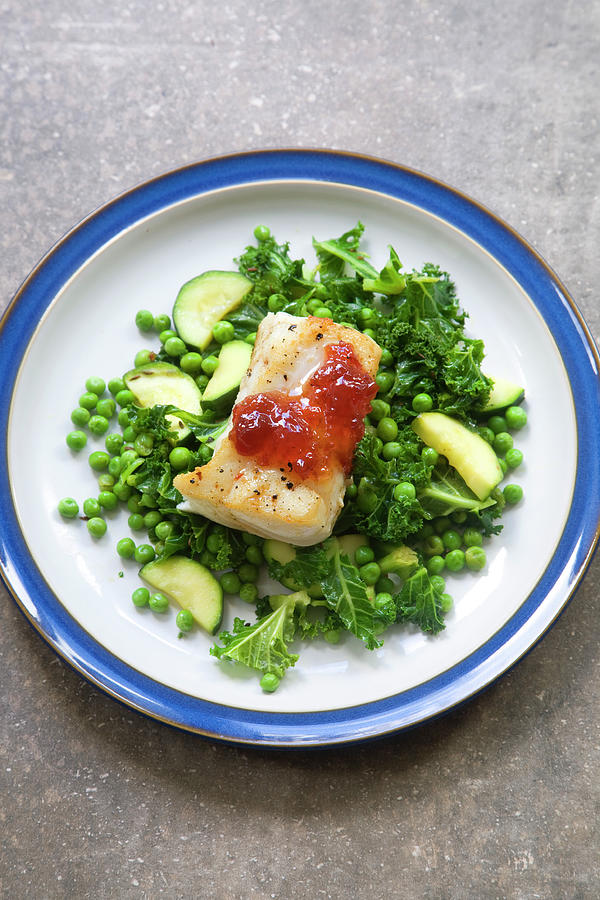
(400, 711)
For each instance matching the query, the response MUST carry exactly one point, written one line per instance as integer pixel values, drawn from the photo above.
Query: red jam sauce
(308, 433)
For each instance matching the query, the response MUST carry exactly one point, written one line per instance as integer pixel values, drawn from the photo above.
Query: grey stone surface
(499, 799)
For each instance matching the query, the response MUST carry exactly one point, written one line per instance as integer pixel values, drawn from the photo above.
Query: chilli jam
(308, 433)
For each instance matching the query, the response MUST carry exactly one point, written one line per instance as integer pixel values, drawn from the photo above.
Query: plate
(73, 317)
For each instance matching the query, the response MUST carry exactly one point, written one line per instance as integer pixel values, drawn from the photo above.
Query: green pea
(98, 460)
(123, 418)
(122, 491)
(386, 358)
(513, 493)
(269, 682)
(140, 597)
(383, 600)
(180, 458)
(114, 466)
(163, 530)
(143, 444)
(446, 602)
(441, 524)
(161, 322)
(370, 573)
(435, 565)
(144, 553)
(249, 592)
(516, 417)
(125, 398)
(251, 540)
(391, 450)
(332, 636)
(157, 602)
(175, 347)
(497, 424)
(126, 548)
(148, 501)
(405, 490)
(68, 508)
(250, 338)
(91, 507)
(429, 456)
(95, 385)
(152, 518)
(262, 233)
(202, 381)
(323, 312)
(88, 400)
(514, 458)
(231, 583)
(364, 555)
(76, 440)
(455, 560)
(437, 583)
(80, 416)
(487, 434)
(351, 491)
(115, 385)
(210, 365)
(472, 537)
(113, 443)
(96, 526)
(387, 429)
(191, 363)
(379, 409)
(248, 573)
(129, 434)
(136, 522)
(377, 444)
(98, 425)
(254, 555)
(370, 333)
(143, 357)
(165, 335)
(133, 504)
(422, 403)
(107, 500)
(367, 500)
(433, 545)
(144, 320)
(184, 620)
(384, 381)
(313, 305)
(475, 558)
(459, 516)
(452, 539)
(275, 303)
(503, 465)
(502, 443)
(127, 457)
(366, 314)
(106, 481)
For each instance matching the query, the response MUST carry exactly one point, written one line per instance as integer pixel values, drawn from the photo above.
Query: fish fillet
(233, 489)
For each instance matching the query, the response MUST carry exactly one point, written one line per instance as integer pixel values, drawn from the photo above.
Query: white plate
(82, 323)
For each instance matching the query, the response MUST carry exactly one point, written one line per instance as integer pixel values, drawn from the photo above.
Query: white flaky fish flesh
(270, 502)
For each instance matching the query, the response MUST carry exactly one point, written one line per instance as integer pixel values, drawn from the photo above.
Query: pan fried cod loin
(296, 499)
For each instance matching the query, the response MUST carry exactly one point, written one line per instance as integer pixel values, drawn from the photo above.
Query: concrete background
(500, 799)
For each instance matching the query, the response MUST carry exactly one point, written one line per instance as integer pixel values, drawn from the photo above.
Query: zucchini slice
(189, 584)
(162, 384)
(222, 389)
(471, 456)
(203, 301)
(504, 393)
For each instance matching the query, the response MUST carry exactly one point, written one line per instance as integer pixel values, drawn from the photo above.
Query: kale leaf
(420, 603)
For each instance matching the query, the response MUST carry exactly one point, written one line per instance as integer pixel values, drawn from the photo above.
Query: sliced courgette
(222, 389)
(504, 393)
(190, 585)
(203, 301)
(162, 384)
(471, 456)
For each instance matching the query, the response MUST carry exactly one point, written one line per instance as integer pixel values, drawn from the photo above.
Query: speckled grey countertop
(499, 799)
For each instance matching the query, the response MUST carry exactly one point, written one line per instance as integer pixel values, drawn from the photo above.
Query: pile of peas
(94, 415)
